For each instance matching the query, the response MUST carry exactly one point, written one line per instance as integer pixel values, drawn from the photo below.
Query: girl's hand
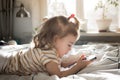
(82, 62)
(83, 57)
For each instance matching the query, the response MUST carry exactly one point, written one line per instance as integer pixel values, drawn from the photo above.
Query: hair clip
(71, 16)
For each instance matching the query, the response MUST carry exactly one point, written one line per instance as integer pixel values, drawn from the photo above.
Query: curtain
(6, 19)
(61, 7)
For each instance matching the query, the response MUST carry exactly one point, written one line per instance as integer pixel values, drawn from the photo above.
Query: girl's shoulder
(45, 51)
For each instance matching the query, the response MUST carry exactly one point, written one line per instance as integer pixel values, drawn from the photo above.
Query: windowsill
(100, 33)
(99, 37)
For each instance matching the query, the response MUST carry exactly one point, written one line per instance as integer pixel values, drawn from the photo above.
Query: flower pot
(103, 24)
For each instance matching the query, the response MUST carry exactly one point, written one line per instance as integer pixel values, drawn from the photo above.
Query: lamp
(22, 12)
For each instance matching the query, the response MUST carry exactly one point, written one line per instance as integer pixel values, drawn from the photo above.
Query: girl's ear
(55, 38)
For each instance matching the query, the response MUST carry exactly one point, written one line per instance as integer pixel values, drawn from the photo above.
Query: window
(61, 7)
(92, 15)
(88, 13)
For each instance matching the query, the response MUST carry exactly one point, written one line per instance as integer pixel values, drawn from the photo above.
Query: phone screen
(91, 57)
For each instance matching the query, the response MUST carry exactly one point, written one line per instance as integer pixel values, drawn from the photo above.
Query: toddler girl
(55, 39)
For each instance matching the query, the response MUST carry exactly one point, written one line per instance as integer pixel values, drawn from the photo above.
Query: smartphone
(91, 57)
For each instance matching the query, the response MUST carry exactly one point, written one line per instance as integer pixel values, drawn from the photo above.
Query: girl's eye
(69, 45)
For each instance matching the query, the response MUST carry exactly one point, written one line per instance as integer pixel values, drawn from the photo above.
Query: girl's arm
(53, 68)
(64, 64)
(68, 64)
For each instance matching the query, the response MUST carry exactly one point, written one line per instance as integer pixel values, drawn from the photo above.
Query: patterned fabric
(29, 62)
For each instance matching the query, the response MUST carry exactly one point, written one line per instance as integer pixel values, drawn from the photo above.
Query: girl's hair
(56, 26)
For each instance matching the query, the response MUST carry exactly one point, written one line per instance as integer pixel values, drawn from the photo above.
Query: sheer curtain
(6, 19)
(89, 14)
(61, 7)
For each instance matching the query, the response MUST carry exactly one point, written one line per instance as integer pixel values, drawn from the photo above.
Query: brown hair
(58, 25)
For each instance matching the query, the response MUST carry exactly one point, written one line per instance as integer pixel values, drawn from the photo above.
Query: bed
(105, 67)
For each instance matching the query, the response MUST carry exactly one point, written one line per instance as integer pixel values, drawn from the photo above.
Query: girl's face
(64, 45)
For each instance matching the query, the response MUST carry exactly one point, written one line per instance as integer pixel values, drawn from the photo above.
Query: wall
(38, 11)
(80, 11)
(23, 27)
(119, 15)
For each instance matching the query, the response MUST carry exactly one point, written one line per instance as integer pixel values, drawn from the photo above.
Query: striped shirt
(28, 62)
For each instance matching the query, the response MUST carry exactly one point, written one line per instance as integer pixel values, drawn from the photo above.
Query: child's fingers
(83, 57)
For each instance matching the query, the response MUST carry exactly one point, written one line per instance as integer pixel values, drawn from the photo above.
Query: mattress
(105, 67)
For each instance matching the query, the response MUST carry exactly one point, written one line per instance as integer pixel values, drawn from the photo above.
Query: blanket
(105, 67)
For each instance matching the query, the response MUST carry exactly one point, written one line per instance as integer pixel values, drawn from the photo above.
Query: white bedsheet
(106, 67)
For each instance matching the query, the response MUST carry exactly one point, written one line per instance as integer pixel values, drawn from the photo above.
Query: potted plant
(105, 5)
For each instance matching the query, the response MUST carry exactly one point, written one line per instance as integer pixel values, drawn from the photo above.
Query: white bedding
(106, 67)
